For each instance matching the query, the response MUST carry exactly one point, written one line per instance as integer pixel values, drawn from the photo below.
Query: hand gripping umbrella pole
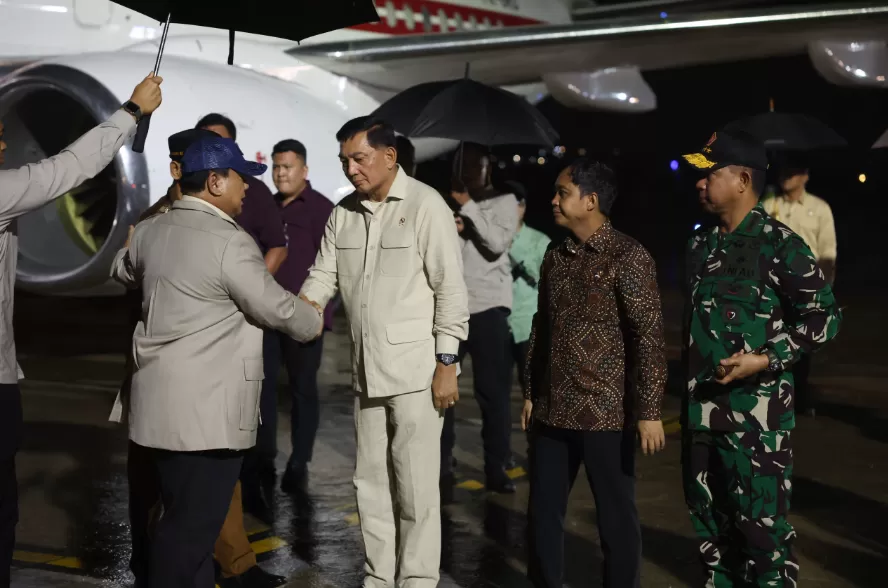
(142, 131)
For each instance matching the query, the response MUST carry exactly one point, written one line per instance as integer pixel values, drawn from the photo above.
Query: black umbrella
(287, 19)
(467, 111)
(788, 131)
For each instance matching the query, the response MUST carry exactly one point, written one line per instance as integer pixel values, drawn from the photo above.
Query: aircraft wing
(523, 54)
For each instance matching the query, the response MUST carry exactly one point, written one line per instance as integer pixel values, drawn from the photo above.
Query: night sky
(658, 206)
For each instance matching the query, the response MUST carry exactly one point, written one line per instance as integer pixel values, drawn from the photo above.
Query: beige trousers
(396, 478)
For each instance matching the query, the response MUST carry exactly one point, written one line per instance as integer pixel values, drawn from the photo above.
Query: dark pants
(609, 460)
(259, 461)
(144, 507)
(302, 361)
(10, 440)
(489, 344)
(519, 354)
(196, 490)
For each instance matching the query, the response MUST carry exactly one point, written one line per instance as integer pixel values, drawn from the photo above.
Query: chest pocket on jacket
(350, 253)
(396, 250)
(736, 308)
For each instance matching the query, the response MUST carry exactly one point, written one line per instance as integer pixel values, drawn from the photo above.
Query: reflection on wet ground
(73, 527)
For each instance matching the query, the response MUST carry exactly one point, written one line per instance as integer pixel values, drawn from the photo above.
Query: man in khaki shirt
(392, 251)
(810, 218)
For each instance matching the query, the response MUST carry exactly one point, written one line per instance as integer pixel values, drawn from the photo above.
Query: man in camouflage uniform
(756, 299)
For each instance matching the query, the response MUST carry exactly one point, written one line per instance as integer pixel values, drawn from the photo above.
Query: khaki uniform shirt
(810, 218)
(398, 266)
(30, 187)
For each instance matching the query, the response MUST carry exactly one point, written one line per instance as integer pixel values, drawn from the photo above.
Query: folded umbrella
(467, 111)
(789, 131)
(287, 19)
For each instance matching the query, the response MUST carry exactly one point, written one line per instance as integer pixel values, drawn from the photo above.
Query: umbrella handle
(145, 122)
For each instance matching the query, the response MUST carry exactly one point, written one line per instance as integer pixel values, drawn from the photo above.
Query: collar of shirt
(598, 242)
(218, 211)
(750, 226)
(398, 191)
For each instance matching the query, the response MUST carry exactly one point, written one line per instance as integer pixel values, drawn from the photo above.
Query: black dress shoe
(255, 577)
(295, 480)
(500, 483)
(257, 504)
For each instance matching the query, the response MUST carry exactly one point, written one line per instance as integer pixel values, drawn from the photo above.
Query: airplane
(65, 65)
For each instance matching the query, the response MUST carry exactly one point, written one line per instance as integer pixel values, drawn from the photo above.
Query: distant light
(541, 161)
(622, 96)
(516, 158)
(633, 100)
(673, 165)
(581, 151)
(859, 73)
(862, 178)
(697, 226)
(502, 165)
(664, 15)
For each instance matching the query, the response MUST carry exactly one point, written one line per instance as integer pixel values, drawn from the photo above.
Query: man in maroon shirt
(261, 218)
(305, 213)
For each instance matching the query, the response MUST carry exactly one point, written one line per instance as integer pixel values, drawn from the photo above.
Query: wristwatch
(134, 109)
(445, 358)
(774, 363)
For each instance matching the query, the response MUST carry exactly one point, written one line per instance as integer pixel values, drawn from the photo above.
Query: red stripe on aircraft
(408, 17)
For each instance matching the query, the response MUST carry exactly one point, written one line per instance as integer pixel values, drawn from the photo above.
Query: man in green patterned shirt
(756, 300)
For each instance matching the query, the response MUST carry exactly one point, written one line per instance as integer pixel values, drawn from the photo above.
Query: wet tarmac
(73, 529)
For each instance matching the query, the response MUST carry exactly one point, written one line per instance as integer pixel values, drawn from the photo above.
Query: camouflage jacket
(756, 286)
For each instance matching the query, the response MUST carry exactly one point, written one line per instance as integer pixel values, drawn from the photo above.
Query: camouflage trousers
(737, 487)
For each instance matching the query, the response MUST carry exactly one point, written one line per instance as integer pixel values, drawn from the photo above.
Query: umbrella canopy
(468, 111)
(288, 19)
(882, 141)
(783, 130)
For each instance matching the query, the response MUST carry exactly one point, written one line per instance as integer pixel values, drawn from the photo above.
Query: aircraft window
(409, 17)
(443, 25)
(485, 24)
(426, 20)
(473, 22)
(391, 18)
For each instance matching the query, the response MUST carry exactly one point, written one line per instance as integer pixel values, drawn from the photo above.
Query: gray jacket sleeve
(260, 297)
(30, 187)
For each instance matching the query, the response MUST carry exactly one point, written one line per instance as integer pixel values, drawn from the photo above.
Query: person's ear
(391, 157)
(592, 201)
(216, 184)
(176, 170)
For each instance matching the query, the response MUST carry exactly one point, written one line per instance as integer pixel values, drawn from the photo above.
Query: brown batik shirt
(598, 330)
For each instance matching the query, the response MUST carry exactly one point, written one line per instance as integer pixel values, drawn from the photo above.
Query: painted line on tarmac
(57, 561)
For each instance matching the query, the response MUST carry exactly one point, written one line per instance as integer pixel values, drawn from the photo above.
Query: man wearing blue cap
(197, 357)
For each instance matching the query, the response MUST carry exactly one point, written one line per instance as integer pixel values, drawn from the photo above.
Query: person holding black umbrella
(21, 191)
(487, 221)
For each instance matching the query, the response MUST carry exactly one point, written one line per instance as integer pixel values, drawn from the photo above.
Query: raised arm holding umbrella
(286, 19)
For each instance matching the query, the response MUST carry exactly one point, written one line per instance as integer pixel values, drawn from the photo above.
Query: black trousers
(11, 425)
(489, 344)
(609, 460)
(144, 510)
(302, 361)
(196, 489)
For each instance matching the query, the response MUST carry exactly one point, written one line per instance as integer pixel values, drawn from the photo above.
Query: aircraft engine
(66, 247)
(614, 89)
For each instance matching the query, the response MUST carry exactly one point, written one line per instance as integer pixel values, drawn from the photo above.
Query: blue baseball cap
(218, 153)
